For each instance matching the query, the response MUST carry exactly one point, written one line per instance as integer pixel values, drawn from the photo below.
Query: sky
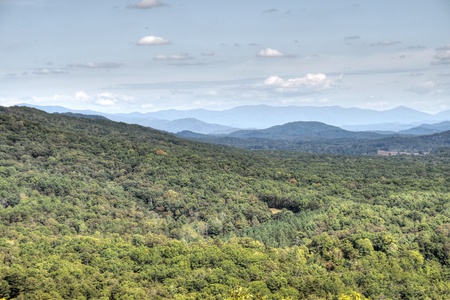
(124, 56)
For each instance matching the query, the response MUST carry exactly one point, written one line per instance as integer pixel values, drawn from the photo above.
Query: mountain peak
(404, 109)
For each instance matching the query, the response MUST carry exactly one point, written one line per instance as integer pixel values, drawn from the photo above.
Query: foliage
(93, 209)
(316, 139)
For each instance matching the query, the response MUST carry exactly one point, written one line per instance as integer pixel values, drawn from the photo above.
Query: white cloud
(442, 56)
(146, 4)
(178, 57)
(48, 71)
(212, 93)
(152, 40)
(423, 88)
(79, 100)
(274, 81)
(310, 81)
(11, 101)
(269, 52)
(80, 95)
(110, 99)
(103, 99)
(148, 106)
(91, 65)
(105, 102)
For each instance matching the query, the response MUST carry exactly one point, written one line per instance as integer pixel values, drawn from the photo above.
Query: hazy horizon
(230, 108)
(144, 56)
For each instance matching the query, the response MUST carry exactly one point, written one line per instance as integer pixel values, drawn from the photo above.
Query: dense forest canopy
(93, 209)
(308, 137)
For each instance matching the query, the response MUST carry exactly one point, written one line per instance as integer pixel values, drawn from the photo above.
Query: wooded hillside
(93, 209)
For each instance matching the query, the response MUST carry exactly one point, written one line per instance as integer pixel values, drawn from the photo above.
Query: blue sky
(149, 55)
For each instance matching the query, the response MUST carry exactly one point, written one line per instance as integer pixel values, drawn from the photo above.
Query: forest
(316, 137)
(95, 209)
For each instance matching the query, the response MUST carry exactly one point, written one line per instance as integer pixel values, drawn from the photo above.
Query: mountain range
(316, 137)
(263, 116)
(426, 129)
(302, 130)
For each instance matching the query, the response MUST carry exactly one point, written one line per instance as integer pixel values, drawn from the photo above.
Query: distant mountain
(423, 143)
(173, 126)
(343, 145)
(400, 112)
(425, 129)
(441, 127)
(302, 130)
(264, 116)
(384, 128)
(190, 124)
(444, 115)
(314, 137)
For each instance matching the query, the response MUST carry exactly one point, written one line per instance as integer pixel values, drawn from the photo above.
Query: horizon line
(219, 110)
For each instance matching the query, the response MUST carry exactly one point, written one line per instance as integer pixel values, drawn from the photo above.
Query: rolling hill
(95, 209)
(426, 129)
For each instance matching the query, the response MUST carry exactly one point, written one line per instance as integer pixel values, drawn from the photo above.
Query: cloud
(269, 52)
(12, 101)
(103, 99)
(352, 37)
(413, 74)
(386, 43)
(79, 99)
(309, 83)
(208, 54)
(50, 71)
(179, 57)
(184, 63)
(110, 99)
(442, 56)
(147, 4)
(152, 40)
(91, 65)
(423, 88)
(415, 47)
(272, 10)
(105, 102)
(80, 95)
